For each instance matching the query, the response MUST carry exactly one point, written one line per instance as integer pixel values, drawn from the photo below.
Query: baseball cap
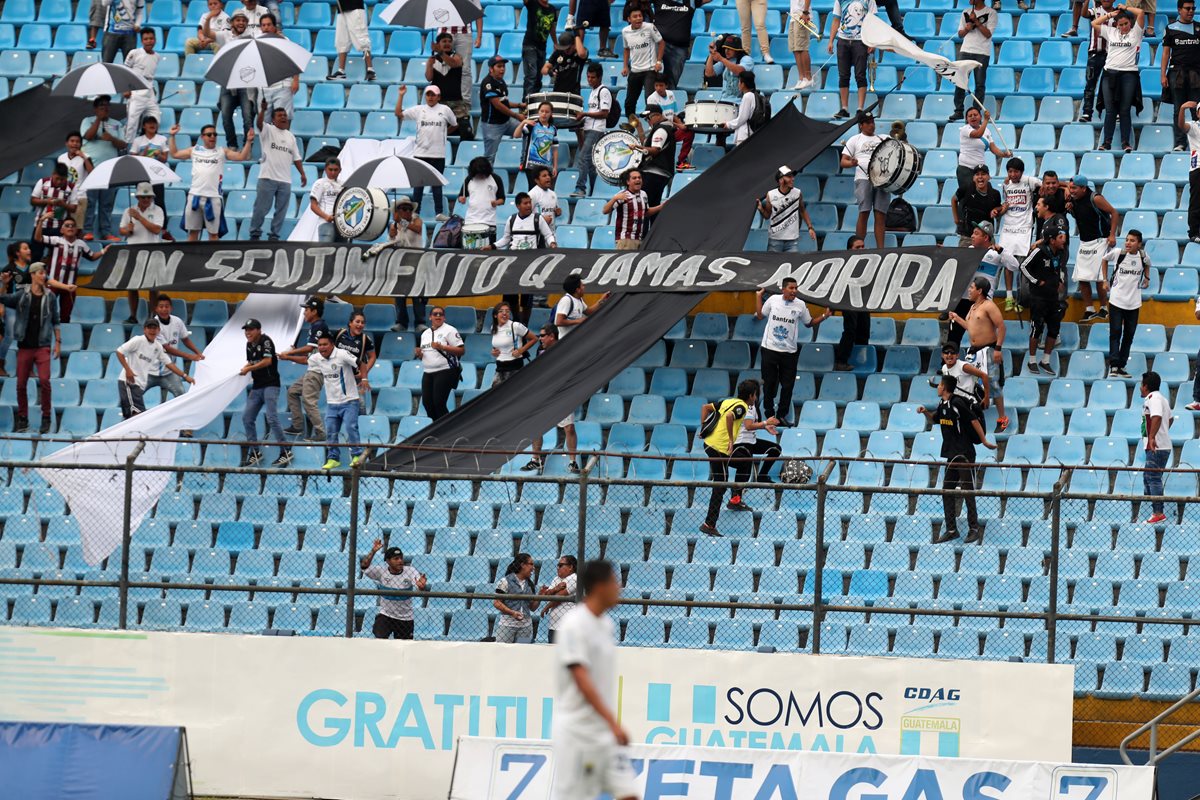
(252, 323)
(393, 552)
(981, 169)
(404, 200)
(652, 108)
(144, 189)
(987, 228)
(950, 348)
(865, 116)
(151, 322)
(1080, 180)
(239, 12)
(315, 303)
(434, 89)
(783, 171)
(494, 60)
(37, 266)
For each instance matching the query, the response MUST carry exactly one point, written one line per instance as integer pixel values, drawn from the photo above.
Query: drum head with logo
(894, 166)
(614, 154)
(361, 213)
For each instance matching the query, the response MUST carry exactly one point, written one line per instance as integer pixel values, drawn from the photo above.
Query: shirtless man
(985, 327)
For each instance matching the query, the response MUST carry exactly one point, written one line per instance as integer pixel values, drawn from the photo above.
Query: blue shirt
(729, 81)
(539, 145)
(101, 149)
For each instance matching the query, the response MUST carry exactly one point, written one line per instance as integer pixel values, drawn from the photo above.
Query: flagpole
(995, 124)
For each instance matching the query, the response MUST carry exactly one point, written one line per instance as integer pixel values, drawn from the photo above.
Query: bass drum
(361, 213)
(476, 236)
(566, 107)
(894, 166)
(708, 116)
(613, 154)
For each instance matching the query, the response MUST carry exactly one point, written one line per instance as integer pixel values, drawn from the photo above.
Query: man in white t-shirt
(975, 27)
(338, 370)
(1126, 274)
(783, 207)
(143, 223)
(594, 124)
(571, 309)
(174, 336)
(144, 102)
(435, 122)
(140, 357)
(1156, 422)
(1020, 194)
(564, 587)
(78, 167)
(545, 199)
(279, 154)
(203, 207)
(643, 58)
(857, 153)
(394, 614)
(589, 741)
(212, 32)
(324, 194)
(780, 352)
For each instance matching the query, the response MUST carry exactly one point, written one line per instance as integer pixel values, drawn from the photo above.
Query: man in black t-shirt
(262, 365)
(566, 62)
(498, 116)
(444, 69)
(1180, 64)
(541, 19)
(981, 203)
(673, 18)
(961, 430)
(1042, 270)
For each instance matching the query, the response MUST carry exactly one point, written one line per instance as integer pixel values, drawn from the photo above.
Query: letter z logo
(1084, 783)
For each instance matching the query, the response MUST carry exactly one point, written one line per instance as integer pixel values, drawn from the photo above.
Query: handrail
(1152, 726)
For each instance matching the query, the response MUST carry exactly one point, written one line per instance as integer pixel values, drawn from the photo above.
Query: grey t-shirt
(394, 606)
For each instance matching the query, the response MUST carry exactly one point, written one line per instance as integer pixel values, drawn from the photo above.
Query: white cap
(144, 189)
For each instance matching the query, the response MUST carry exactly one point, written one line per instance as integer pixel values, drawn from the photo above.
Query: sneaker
(441, 218)
(842, 368)
(186, 434)
(974, 536)
(1045, 367)
(331, 464)
(955, 117)
(683, 165)
(578, 194)
(1193, 406)
(1021, 4)
(1089, 316)
(1070, 32)
(1009, 304)
(737, 504)
(948, 536)
(1177, 148)
(397, 328)
(1196, 239)
(87, 237)
(1104, 146)
(337, 75)
(1128, 148)
(1102, 313)
(1112, 372)
(842, 114)
(285, 459)
(533, 465)
(1085, 117)
(709, 530)
(292, 431)
(111, 238)
(252, 458)
(801, 85)
(356, 460)
(767, 59)
(1118, 372)
(1156, 518)
(370, 74)
(573, 468)
(1001, 425)
(783, 423)
(46, 425)
(315, 436)
(20, 424)
(570, 22)
(606, 53)
(1031, 368)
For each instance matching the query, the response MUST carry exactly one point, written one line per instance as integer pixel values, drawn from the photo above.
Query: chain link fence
(1056, 568)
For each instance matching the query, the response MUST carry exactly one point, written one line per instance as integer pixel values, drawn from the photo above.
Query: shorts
(1015, 242)
(799, 36)
(351, 29)
(385, 627)
(594, 13)
(194, 219)
(1045, 314)
(983, 361)
(568, 422)
(870, 199)
(587, 770)
(1089, 262)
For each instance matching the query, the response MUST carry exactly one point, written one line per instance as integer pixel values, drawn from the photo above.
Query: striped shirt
(631, 217)
(63, 261)
(45, 190)
(1096, 41)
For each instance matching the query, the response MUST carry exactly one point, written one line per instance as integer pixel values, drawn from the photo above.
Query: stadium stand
(290, 530)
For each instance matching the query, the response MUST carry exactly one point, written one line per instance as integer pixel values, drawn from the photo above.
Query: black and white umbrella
(395, 172)
(128, 171)
(257, 63)
(432, 13)
(96, 79)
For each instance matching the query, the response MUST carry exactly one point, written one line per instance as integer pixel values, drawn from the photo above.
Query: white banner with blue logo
(510, 769)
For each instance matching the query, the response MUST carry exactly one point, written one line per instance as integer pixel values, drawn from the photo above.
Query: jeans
(674, 57)
(259, 398)
(783, 245)
(326, 232)
(435, 391)
(27, 359)
(337, 416)
(522, 634)
(302, 399)
(418, 304)
(718, 472)
(229, 99)
(99, 213)
(980, 73)
(493, 132)
(1122, 324)
(1091, 79)
(418, 192)
(583, 161)
(856, 329)
(112, 42)
(959, 476)
(743, 460)
(1119, 89)
(8, 340)
(532, 59)
(1193, 212)
(894, 16)
(169, 381)
(778, 368)
(1152, 478)
(1184, 85)
(270, 192)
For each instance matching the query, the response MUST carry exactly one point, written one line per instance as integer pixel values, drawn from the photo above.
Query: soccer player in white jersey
(589, 742)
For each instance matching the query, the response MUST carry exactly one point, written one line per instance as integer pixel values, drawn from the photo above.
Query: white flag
(877, 33)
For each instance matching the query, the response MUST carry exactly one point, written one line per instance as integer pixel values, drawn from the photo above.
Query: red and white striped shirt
(455, 29)
(62, 257)
(45, 190)
(1096, 42)
(631, 217)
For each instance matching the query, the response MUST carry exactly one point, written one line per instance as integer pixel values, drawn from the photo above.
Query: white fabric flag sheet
(877, 33)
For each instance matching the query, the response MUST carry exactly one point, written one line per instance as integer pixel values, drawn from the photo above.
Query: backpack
(449, 236)
(362, 344)
(709, 423)
(1103, 217)
(614, 108)
(762, 112)
(901, 216)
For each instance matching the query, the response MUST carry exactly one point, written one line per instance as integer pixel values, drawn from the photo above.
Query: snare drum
(614, 154)
(894, 166)
(566, 107)
(709, 116)
(476, 236)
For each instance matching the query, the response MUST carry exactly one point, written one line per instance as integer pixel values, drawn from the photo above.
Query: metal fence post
(1055, 545)
(581, 536)
(127, 538)
(352, 551)
(819, 561)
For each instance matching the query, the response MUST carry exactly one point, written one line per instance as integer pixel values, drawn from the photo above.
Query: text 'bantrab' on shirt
(144, 357)
(783, 320)
(208, 168)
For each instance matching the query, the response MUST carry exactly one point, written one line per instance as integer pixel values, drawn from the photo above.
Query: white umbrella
(251, 63)
(395, 172)
(127, 171)
(432, 13)
(97, 79)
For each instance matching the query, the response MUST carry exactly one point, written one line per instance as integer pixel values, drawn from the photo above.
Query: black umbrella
(432, 13)
(251, 63)
(395, 172)
(128, 171)
(97, 79)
